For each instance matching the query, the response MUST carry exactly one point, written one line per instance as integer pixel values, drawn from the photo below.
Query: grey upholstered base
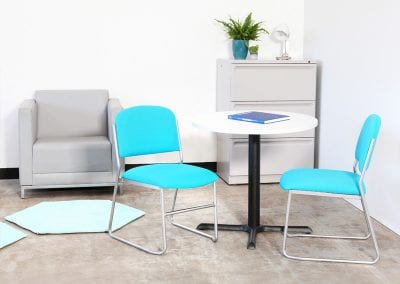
(67, 186)
(72, 178)
(23, 188)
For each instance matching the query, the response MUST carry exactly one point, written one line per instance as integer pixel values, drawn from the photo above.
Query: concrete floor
(96, 258)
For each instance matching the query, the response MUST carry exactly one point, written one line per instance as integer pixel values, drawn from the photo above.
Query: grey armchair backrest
(71, 113)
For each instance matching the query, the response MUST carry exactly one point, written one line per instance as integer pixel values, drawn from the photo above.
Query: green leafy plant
(246, 30)
(253, 49)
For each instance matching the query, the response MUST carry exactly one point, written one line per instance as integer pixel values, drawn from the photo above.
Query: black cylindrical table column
(254, 181)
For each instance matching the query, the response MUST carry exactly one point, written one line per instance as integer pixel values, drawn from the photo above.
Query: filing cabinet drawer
(265, 82)
(277, 155)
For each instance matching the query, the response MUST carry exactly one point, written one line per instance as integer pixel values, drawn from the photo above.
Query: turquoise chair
(144, 130)
(334, 183)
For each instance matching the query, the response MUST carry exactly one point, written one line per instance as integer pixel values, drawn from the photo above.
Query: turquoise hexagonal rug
(9, 235)
(78, 216)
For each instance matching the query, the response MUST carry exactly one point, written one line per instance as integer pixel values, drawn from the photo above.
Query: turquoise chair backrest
(143, 130)
(369, 132)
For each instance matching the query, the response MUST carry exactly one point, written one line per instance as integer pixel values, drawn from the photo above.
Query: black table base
(251, 243)
(253, 227)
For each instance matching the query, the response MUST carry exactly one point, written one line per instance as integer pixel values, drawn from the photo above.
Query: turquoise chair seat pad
(320, 180)
(171, 176)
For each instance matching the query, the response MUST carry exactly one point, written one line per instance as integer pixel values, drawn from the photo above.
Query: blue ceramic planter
(240, 48)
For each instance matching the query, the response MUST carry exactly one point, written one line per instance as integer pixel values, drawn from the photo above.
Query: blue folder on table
(258, 117)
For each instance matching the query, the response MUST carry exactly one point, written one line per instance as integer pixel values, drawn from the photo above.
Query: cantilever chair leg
(370, 227)
(164, 238)
(370, 233)
(212, 205)
(120, 189)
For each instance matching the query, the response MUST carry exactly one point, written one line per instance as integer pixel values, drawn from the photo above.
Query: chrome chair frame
(361, 197)
(164, 214)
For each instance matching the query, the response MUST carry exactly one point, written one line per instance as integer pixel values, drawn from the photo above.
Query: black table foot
(223, 227)
(251, 244)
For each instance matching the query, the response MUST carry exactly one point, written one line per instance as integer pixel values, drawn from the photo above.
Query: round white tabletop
(218, 122)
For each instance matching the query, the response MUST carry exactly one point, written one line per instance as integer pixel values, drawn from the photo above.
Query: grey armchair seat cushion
(72, 154)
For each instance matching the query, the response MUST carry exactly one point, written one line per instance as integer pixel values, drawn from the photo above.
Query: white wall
(147, 52)
(357, 43)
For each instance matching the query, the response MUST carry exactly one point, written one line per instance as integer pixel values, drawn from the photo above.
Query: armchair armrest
(114, 106)
(27, 128)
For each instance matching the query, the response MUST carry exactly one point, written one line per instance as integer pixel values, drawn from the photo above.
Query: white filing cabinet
(265, 85)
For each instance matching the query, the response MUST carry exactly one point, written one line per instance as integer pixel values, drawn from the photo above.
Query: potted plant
(241, 32)
(253, 50)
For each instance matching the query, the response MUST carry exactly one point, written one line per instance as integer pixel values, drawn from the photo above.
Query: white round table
(218, 122)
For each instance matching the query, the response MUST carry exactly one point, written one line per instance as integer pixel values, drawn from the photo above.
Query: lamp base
(284, 56)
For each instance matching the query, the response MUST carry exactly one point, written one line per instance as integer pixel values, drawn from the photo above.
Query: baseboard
(9, 173)
(13, 173)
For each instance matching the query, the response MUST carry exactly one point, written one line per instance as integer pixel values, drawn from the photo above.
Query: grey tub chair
(65, 139)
